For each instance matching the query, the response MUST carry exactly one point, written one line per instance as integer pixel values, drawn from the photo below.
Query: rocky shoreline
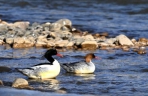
(61, 34)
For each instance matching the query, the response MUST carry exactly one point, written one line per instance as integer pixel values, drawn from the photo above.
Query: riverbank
(62, 35)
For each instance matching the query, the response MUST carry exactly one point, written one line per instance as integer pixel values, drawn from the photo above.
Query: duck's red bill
(97, 58)
(60, 55)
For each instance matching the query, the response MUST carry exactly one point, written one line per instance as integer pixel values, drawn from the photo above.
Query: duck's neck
(88, 60)
(50, 59)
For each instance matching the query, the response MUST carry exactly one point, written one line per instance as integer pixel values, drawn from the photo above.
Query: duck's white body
(42, 71)
(80, 67)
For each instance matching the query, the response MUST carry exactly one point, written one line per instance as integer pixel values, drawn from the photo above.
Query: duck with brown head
(81, 67)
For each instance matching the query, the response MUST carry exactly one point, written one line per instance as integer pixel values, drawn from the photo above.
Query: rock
(70, 45)
(40, 43)
(21, 25)
(3, 29)
(1, 83)
(125, 48)
(77, 39)
(142, 41)
(2, 37)
(64, 22)
(4, 69)
(110, 41)
(103, 44)
(124, 40)
(89, 45)
(21, 83)
(104, 34)
(55, 27)
(23, 42)
(66, 35)
(9, 40)
(61, 43)
(89, 37)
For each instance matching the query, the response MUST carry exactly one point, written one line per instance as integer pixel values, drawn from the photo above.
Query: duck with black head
(44, 70)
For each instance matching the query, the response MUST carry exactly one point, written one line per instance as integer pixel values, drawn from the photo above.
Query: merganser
(81, 67)
(44, 70)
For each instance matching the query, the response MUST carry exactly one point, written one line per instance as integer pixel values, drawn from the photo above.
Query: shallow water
(117, 73)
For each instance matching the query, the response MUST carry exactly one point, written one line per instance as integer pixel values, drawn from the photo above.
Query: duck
(44, 70)
(84, 67)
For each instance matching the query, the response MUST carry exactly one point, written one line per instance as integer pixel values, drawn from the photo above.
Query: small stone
(125, 48)
(20, 82)
(104, 34)
(64, 22)
(4, 69)
(1, 83)
(124, 40)
(89, 45)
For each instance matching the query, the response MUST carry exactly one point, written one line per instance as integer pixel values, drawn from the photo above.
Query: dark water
(118, 73)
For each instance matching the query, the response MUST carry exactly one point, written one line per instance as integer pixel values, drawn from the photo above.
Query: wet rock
(19, 82)
(125, 48)
(142, 41)
(64, 22)
(1, 83)
(4, 69)
(89, 45)
(2, 37)
(124, 40)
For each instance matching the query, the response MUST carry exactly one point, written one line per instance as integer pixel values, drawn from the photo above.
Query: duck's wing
(72, 67)
(33, 71)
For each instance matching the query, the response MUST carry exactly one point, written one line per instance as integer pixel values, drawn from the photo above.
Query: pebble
(1, 83)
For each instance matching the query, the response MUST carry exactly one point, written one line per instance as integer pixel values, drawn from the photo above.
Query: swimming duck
(44, 70)
(81, 67)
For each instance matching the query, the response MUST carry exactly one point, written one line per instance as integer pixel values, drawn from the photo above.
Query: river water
(117, 73)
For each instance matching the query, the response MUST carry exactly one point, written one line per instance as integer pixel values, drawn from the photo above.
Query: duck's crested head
(89, 56)
(51, 52)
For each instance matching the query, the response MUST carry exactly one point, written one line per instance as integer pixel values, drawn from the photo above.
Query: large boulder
(124, 40)
(23, 42)
(89, 45)
(21, 83)
(21, 24)
(61, 43)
